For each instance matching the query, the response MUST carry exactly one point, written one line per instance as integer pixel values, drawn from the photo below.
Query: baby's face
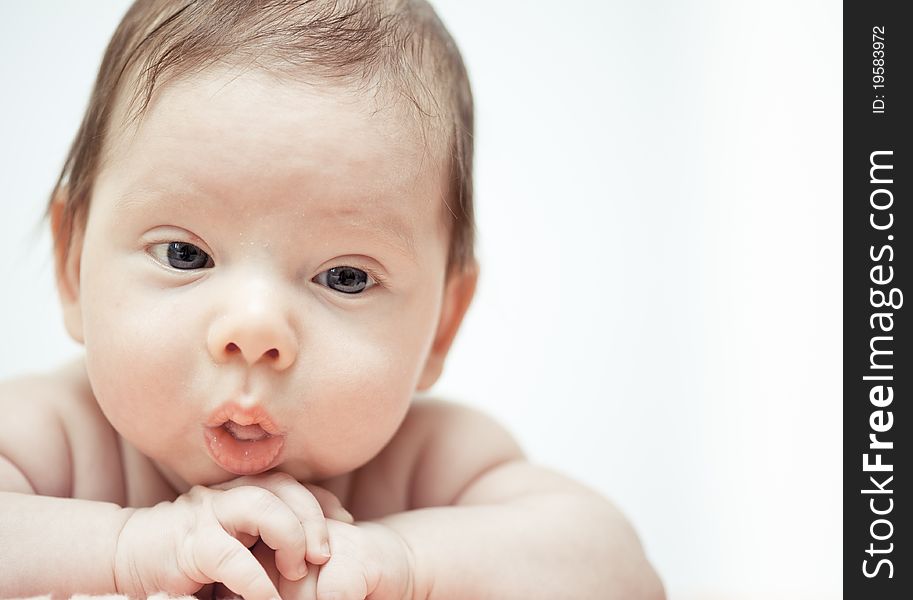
(266, 253)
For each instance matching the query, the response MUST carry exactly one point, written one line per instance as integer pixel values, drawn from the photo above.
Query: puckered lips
(243, 441)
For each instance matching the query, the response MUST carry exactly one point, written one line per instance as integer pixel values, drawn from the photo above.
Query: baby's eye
(181, 255)
(347, 280)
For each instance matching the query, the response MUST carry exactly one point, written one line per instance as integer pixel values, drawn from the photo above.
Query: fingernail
(348, 516)
(325, 549)
(302, 570)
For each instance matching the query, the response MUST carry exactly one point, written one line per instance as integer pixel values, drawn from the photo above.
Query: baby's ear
(458, 293)
(67, 239)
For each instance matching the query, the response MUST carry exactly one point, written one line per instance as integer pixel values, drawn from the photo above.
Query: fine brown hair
(398, 46)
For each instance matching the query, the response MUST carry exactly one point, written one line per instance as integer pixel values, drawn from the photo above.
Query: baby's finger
(330, 504)
(256, 511)
(223, 558)
(303, 589)
(311, 503)
(220, 592)
(266, 557)
(310, 513)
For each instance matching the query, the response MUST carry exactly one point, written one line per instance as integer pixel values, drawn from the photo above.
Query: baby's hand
(312, 504)
(368, 560)
(204, 535)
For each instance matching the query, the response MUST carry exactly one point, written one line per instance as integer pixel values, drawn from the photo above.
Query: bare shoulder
(33, 444)
(439, 450)
(52, 427)
(466, 457)
(458, 445)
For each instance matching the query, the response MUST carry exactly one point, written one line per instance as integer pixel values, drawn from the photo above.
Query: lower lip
(243, 457)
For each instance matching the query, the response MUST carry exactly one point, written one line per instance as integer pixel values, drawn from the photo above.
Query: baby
(264, 241)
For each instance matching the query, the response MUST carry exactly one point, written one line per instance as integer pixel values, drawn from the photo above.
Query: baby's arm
(49, 544)
(504, 528)
(64, 546)
(56, 545)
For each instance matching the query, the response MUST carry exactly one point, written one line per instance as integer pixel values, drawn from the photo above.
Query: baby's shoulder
(437, 451)
(455, 445)
(47, 418)
(451, 430)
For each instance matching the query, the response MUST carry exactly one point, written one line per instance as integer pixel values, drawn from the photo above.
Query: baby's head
(264, 230)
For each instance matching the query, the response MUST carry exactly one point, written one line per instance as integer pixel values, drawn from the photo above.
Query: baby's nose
(256, 337)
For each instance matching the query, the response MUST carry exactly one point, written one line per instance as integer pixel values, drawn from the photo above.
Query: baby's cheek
(146, 341)
(360, 397)
(138, 363)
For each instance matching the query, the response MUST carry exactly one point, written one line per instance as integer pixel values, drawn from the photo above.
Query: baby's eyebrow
(387, 226)
(390, 226)
(137, 198)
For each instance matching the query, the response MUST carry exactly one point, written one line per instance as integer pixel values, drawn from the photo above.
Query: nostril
(272, 353)
(232, 348)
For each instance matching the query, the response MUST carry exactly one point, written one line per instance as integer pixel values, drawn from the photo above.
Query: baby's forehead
(247, 134)
(270, 96)
(292, 111)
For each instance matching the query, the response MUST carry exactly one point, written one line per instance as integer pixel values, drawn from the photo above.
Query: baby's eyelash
(378, 278)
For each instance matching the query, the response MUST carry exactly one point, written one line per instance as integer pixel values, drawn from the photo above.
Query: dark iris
(182, 255)
(348, 280)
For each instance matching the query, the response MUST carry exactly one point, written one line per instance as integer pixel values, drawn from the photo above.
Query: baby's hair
(396, 47)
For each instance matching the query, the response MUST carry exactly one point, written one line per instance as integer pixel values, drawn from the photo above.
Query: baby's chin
(183, 467)
(183, 476)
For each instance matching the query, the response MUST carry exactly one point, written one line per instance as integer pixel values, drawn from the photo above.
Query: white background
(659, 208)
